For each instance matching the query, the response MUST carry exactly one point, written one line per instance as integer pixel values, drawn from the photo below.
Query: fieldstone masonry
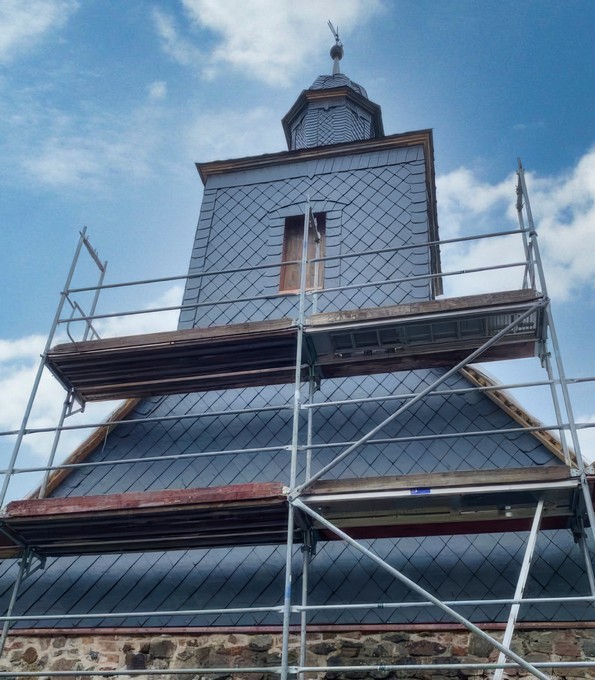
(327, 650)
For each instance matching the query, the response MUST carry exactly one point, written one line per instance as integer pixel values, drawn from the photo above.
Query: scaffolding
(450, 333)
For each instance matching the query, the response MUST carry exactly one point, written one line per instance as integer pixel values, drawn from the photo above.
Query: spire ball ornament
(336, 49)
(337, 52)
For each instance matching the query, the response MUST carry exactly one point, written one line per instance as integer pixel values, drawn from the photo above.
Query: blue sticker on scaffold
(419, 492)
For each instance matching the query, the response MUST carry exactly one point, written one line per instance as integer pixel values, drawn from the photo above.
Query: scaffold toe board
(446, 503)
(449, 503)
(426, 334)
(344, 343)
(170, 519)
(220, 357)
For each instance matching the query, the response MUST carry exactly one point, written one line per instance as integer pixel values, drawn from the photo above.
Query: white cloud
(227, 133)
(92, 151)
(19, 361)
(81, 145)
(21, 348)
(564, 212)
(587, 438)
(150, 322)
(268, 40)
(173, 44)
(157, 90)
(24, 22)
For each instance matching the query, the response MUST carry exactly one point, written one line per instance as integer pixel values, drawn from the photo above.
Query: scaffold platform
(356, 342)
(478, 501)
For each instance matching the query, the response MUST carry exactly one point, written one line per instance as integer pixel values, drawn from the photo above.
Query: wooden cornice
(405, 139)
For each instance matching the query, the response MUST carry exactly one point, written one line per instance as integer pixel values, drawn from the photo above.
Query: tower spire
(336, 49)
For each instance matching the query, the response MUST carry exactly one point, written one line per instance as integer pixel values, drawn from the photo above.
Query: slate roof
(334, 109)
(372, 201)
(337, 80)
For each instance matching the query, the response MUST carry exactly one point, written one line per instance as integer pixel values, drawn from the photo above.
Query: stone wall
(107, 652)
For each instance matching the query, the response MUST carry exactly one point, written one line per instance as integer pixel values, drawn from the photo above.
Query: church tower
(312, 451)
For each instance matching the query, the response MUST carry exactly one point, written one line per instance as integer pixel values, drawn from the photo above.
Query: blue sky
(105, 106)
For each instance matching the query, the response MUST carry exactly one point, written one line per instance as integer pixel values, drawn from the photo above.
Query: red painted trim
(146, 499)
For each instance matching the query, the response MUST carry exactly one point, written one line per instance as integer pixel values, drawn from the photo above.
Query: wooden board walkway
(342, 343)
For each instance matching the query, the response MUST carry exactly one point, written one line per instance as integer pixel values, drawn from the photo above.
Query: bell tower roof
(334, 109)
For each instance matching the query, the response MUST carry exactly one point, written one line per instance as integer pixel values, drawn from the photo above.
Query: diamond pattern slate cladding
(368, 205)
(334, 429)
(459, 567)
(377, 214)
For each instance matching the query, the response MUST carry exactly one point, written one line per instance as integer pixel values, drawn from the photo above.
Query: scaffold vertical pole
(66, 406)
(308, 544)
(68, 402)
(295, 432)
(558, 359)
(40, 368)
(23, 563)
(529, 275)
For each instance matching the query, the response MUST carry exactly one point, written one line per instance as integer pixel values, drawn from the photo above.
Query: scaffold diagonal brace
(421, 591)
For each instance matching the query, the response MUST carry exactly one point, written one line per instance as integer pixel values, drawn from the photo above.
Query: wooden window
(292, 252)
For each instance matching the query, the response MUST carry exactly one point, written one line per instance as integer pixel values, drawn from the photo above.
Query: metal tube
(452, 666)
(148, 459)
(312, 447)
(295, 428)
(452, 603)
(316, 405)
(529, 276)
(572, 426)
(559, 364)
(419, 590)
(520, 586)
(142, 614)
(171, 308)
(102, 271)
(37, 380)
(360, 253)
(287, 593)
(424, 245)
(384, 440)
(307, 547)
(256, 298)
(418, 397)
(420, 277)
(523, 198)
(446, 435)
(306, 556)
(261, 670)
(24, 561)
(588, 563)
(295, 608)
(224, 671)
(65, 408)
(438, 393)
(183, 277)
(557, 409)
(155, 419)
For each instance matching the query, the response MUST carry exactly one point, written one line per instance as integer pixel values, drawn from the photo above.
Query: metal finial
(336, 49)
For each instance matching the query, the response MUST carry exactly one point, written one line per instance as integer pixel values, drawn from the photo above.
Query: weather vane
(336, 49)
